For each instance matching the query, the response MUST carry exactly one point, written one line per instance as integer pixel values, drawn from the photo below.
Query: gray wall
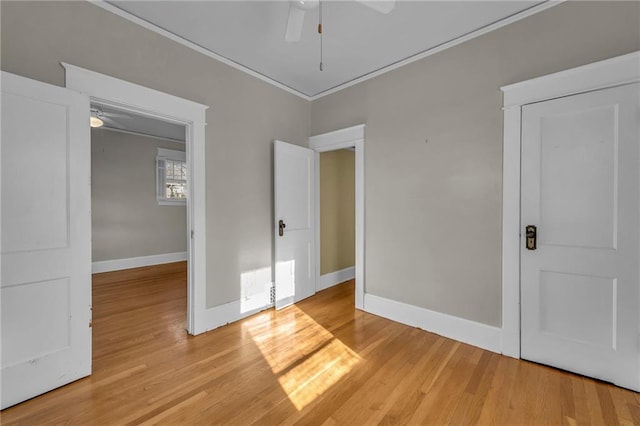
(433, 210)
(126, 219)
(442, 198)
(244, 117)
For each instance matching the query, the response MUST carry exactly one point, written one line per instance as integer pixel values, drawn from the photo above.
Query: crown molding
(459, 40)
(191, 45)
(449, 44)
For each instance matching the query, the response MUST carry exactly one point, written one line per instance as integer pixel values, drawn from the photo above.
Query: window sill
(172, 203)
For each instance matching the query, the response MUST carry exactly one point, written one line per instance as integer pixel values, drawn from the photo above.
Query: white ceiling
(357, 40)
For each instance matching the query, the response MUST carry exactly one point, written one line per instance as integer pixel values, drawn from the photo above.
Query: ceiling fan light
(95, 122)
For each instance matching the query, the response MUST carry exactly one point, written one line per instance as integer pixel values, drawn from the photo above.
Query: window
(171, 177)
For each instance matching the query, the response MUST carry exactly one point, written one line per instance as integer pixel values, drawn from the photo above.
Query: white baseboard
(233, 311)
(337, 277)
(466, 331)
(137, 262)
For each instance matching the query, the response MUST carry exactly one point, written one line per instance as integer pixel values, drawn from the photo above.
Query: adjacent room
(337, 212)
(320, 212)
(138, 227)
(138, 190)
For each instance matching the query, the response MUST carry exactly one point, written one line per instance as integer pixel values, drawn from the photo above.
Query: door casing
(142, 100)
(612, 72)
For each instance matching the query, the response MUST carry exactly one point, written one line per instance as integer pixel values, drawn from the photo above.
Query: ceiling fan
(298, 8)
(100, 117)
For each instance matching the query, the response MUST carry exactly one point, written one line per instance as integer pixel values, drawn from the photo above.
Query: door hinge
(272, 294)
(90, 324)
(192, 233)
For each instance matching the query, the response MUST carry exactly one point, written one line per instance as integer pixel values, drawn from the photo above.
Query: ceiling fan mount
(298, 8)
(305, 4)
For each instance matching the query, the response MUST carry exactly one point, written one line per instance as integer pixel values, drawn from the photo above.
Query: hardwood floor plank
(606, 404)
(367, 405)
(591, 400)
(477, 390)
(496, 405)
(330, 401)
(405, 398)
(318, 362)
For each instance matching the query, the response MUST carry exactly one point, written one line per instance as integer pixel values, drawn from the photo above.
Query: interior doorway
(139, 227)
(112, 92)
(581, 110)
(337, 217)
(139, 223)
(139, 197)
(351, 138)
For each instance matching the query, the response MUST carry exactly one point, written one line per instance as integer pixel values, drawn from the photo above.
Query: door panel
(45, 238)
(27, 304)
(294, 206)
(586, 140)
(564, 297)
(580, 186)
(295, 200)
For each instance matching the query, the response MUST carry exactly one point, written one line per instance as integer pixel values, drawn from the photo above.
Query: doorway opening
(337, 217)
(352, 139)
(131, 98)
(139, 224)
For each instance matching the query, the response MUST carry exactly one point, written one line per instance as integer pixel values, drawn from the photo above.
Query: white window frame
(172, 155)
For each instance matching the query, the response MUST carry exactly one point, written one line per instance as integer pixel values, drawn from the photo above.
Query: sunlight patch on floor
(306, 358)
(306, 381)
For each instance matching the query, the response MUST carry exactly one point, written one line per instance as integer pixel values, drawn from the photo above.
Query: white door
(580, 187)
(294, 222)
(45, 238)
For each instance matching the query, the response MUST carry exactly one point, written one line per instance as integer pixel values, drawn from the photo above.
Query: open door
(294, 223)
(45, 238)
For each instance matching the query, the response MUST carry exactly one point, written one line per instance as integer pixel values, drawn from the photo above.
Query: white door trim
(339, 139)
(600, 75)
(132, 97)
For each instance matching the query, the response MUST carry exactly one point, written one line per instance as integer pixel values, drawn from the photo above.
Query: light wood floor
(319, 362)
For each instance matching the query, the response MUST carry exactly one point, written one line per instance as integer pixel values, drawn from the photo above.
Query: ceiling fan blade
(110, 122)
(295, 22)
(382, 6)
(116, 115)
